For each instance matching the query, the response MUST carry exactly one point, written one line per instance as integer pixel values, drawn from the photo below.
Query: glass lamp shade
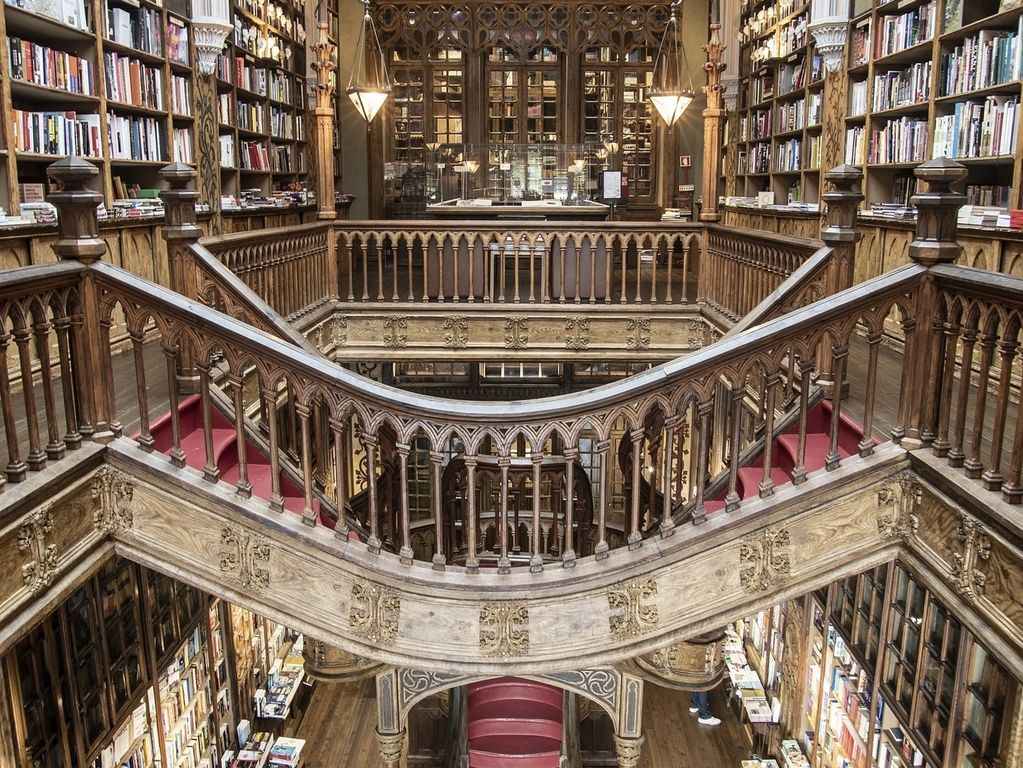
(670, 106)
(368, 100)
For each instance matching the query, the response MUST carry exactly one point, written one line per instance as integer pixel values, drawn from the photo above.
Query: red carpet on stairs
(514, 723)
(225, 453)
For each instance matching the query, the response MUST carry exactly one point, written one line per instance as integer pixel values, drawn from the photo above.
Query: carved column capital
(628, 750)
(392, 745)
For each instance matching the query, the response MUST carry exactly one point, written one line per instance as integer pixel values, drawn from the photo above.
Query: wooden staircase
(515, 723)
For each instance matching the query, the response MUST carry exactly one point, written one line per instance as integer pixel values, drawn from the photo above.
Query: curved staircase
(515, 723)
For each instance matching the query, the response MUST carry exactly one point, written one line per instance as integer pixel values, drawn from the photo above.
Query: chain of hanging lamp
(672, 90)
(369, 85)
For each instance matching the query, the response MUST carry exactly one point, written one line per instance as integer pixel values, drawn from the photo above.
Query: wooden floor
(340, 720)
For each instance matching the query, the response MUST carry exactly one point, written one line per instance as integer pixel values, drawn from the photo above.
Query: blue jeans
(701, 701)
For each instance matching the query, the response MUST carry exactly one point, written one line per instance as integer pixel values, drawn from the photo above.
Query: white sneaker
(693, 710)
(709, 721)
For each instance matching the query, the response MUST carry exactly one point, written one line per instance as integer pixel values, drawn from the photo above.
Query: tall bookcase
(261, 98)
(780, 102)
(926, 78)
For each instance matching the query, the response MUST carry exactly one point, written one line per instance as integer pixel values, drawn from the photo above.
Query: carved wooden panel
(1012, 258)
(42, 249)
(980, 253)
(868, 254)
(14, 253)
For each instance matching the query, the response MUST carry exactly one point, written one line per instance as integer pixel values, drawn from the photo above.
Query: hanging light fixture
(369, 86)
(210, 27)
(670, 93)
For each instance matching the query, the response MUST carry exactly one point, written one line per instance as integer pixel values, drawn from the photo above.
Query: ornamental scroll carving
(577, 333)
(637, 333)
(38, 570)
(414, 684)
(113, 491)
(375, 613)
(246, 557)
(896, 508)
(396, 331)
(516, 333)
(764, 559)
(631, 616)
(456, 331)
(600, 684)
(504, 629)
(969, 578)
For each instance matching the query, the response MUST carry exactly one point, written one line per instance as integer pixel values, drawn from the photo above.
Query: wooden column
(80, 241)
(839, 231)
(181, 231)
(713, 121)
(935, 243)
(833, 119)
(323, 155)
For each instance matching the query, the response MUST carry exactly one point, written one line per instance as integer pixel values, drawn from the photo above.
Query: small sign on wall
(685, 161)
(612, 185)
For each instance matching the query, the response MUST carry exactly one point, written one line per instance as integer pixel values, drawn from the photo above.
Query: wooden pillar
(839, 231)
(833, 116)
(80, 241)
(390, 731)
(713, 121)
(323, 155)
(935, 243)
(181, 231)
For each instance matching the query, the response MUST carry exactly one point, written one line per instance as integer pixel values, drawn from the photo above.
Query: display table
(756, 713)
(255, 752)
(286, 753)
(547, 210)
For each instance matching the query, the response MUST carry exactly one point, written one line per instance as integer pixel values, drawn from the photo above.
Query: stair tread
(750, 478)
(817, 447)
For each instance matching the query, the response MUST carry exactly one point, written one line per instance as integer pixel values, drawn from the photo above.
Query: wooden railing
(700, 405)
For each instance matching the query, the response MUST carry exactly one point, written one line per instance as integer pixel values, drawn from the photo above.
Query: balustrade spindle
(476, 248)
(369, 442)
(610, 256)
(210, 471)
(568, 555)
(940, 444)
(349, 251)
(956, 453)
(16, 468)
(866, 446)
(667, 527)
(411, 252)
(703, 410)
(145, 439)
(1007, 348)
(577, 268)
(405, 553)
(635, 537)
(276, 500)
(395, 264)
(36, 456)
(177, 456)
(439, 557)
(364, 246)
(380, 245)
(562, 271)
(431, 253)
(839, 358)
(805, 378)
(72, 438)
(456, 288)
(973, 465)
(242, 487)
(623, 296)
(1012, 488)
(305, 428)
(536, 560)
(738, 395)
(341, 462)
(54, 447)
(472, 561)
(771, 383)
(652, 457)
(503, 562)
(516, 262)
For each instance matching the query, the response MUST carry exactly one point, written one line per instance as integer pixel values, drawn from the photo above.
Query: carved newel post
(839, 231)
(713, 118)
(80, 241)
(935, 243)
(323, 65)
(181, 231)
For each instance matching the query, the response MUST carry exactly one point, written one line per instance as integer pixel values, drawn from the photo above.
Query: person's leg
(703, 704)
(694, 703)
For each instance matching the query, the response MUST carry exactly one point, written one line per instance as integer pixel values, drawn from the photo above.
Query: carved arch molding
(590, 617)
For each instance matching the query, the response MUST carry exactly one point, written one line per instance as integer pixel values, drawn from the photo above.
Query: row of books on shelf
(792, 77)
(903, 140)
(258, 199)
(188, 695)
(137, 138)
(897, 33)
(894, 89)
(51, 67)
(132, 745)
(181, 95)
(74, 13)
(139, 28)
(177, 41)
(56, 133)
(745, 681)
(990, 57)
(130, 81)
(756, 160)
(190, 750)
(755, 125)
(792, 36)
(977, 129)
(795, 115)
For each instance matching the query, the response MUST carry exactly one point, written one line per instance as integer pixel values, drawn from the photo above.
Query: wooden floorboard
(340, 721)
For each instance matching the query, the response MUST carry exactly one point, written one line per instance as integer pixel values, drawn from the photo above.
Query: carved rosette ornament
(764, 559)
(637, 333)
(696, 334)
(504, 629)
(246, 556)
(375, 613)
(896, 509)
(113, 492)
(577, 333)
(396, 331)
(41, 566)
(969, 579)
(339, 331)
(631, 616)
(516, 333)
(456, 332)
